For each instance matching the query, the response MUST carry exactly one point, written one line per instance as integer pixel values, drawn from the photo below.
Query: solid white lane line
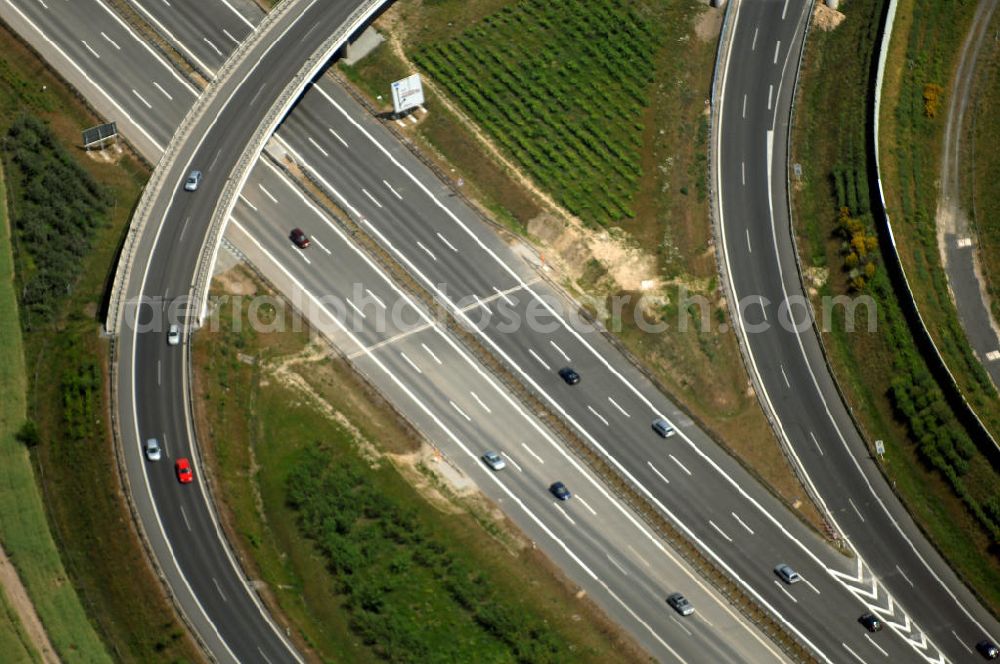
(111, 41)
(394, 192)
(777, 49)
(615, 563)
(148, 105)
(620, 409)
(532, 453)
(411, 363)
(355, 307)
(319, 147)
(42, 3)
(231, 38)
(481, 402)
(253, 99)
(598, 415)
(303, 255)
(636, 554)
(92, 51)
(375, 297)
(540, 360)
(587, 505)
(744, 105)
(214, 159)
(784, 10)
(213, 46)
(481, 304)
(431, 353)
(219, 588)
(749, 248)
(680, 464)
(903, 574)
(450, 245)
(809, 583)
(185, 517)
(460, 411)
(240, 16)
(337, 136)
(740, 521)
(158, 373)
(868, 636)
(267, 193)
(753, 45)
(787, 384)
(426, 250)
(743, 172)
(267, 659)
(856, 510)
(720, 531)
(247, 201)
(661, 475)
(763, 309)
(371, 198)
(321, 246)
(816, 443)
(681, 625)
(554, 345)
(782, 588)
(564, 512)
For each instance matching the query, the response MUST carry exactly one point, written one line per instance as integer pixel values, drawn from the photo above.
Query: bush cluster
(55, 208)
(855, 227)
(409, 596)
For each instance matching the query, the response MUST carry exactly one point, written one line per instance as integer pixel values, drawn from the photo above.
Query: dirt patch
(111, 154)
(825, 18)
(708, 25)
(21, 603)
(236, 281)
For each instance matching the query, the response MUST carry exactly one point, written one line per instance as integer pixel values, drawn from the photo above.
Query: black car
(560, 491)
(871, 622)
(988, 649)
(569, 375)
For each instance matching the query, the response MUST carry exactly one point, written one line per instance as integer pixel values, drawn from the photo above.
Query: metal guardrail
(966, 414)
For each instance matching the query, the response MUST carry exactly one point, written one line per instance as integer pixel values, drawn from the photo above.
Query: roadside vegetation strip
(612, 479)
(22, 520)
(562, 86)
(945, 482)
(920, 65)
(981, 180)
(103, 562)
(360, 543)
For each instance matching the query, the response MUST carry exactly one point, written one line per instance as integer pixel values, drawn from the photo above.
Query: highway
(710, 493)
(788, 363)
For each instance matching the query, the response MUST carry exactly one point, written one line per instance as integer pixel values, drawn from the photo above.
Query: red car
(183, 469)
(300, 239)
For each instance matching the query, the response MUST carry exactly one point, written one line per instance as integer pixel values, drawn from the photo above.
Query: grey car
(193, 180)
(664, 428)
(680, 604)
(494, 461)
(787, 574)
(152, 449)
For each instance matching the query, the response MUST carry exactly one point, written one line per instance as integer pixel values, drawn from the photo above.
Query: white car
(153, 452)
(173, 335)
(664, 428)
(787, 574)
(494, 461)
(192, 182)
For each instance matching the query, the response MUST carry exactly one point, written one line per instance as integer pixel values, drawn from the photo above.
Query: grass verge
(267, 406)
(23, 527)
(882, 374)
(65, 360)
(666, 243)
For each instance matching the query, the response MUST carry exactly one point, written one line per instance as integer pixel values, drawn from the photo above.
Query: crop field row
(562, 87)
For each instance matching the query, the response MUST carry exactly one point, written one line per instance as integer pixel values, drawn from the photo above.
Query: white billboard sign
(407, 93)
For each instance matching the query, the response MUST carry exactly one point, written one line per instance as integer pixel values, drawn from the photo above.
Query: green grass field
(23, 526)
(942, 479)
(288, 471)
(15, 644)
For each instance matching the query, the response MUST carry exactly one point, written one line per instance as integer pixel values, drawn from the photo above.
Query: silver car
(494, 461)
(680, 604)
(153, 452)
(787, 574)
(194, 179)
(664, 428)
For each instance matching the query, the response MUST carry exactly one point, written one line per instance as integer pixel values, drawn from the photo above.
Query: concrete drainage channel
(611, 478)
